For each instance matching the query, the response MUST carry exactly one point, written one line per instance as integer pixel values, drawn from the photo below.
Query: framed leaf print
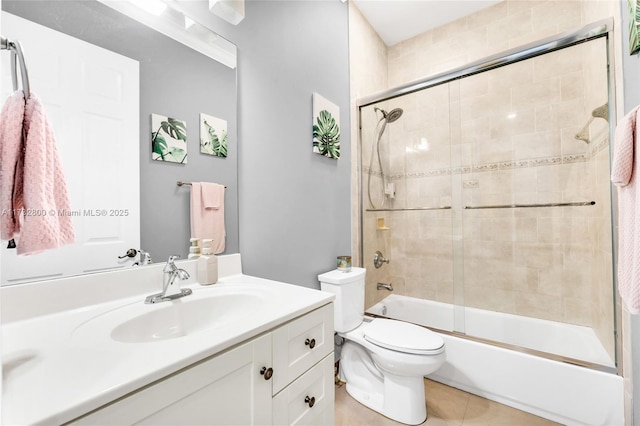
(634, 24)
(168, 139)
(326, 127)
(213, 135)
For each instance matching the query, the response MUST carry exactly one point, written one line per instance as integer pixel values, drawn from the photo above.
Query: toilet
(383, 361)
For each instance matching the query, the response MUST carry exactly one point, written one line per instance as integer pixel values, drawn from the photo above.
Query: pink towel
(11, 138)
(212, 195)
(207, 213)
(32, 183)
(626, 158)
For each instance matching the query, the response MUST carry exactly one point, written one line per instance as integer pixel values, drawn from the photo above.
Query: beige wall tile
(491, 299)
(563, 16)
(519, 23)
(578, 312)
(539, 306)
(538, 255)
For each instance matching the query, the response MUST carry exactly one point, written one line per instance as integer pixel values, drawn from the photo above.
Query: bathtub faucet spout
(384, 286)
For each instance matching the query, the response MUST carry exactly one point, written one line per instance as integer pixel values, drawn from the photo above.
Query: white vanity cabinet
(303, 383)
(310, 399)
(284, 376)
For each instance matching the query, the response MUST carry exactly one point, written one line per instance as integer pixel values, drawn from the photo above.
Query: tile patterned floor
(446, 406)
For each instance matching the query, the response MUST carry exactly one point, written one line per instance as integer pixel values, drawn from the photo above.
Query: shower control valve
(379, 259)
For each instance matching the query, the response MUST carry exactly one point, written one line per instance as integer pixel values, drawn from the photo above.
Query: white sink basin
(203, 310)
(182, 317)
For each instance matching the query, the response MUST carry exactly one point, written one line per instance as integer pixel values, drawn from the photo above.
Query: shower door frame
(595, 30)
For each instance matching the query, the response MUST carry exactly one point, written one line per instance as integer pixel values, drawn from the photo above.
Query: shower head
(394, 114)
(390, 116)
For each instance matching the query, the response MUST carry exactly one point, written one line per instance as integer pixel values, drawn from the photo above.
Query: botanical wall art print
(168, 139)
(213, 135)
(326, 127)
(634, 24)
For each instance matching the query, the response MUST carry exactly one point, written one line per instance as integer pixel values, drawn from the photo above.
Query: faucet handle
(379, 259)
(171, 266)
(130, 253)
(145, 257)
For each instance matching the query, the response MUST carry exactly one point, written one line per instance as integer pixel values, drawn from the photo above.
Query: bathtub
(559, 391)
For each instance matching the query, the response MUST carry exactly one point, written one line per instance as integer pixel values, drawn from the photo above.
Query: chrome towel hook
(17, 56)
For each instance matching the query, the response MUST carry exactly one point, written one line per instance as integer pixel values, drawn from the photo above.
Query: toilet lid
(403, 337)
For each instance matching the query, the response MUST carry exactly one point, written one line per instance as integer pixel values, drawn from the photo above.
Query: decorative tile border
(601, 143)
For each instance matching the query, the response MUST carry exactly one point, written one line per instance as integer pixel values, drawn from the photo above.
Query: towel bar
(180, 183)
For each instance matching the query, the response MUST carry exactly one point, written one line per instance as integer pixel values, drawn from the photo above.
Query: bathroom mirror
(174, 82)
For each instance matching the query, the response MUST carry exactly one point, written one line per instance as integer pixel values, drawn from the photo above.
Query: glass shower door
(489, 196)
(536, 204)
(406, 213)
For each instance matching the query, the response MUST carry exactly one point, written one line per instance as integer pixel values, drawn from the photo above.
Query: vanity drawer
(300, 344)
(309, 399)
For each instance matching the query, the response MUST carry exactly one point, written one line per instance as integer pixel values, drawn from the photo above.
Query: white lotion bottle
(207, 264)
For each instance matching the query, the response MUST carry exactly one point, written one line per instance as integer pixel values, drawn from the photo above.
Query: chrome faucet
(384, 286)
(170, 289)
(145, 258)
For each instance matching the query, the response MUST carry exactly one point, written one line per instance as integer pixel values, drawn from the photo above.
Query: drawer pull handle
(311, 401)
(266, 372)
(311, 343)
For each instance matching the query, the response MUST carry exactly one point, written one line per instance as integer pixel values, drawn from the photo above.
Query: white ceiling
(398, 20)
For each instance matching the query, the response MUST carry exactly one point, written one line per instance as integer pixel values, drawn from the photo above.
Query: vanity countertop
(60, 365)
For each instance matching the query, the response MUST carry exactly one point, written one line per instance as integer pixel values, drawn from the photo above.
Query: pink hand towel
(212, 195)
(624, 171)
(11, 138)
(207, 213)
(39, 185)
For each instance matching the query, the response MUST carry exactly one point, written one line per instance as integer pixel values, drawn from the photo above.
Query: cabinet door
(227, 389)
(309, 400)
(300, 344)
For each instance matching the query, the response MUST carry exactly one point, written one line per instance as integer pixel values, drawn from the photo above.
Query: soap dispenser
(194, 248)
(207, 264)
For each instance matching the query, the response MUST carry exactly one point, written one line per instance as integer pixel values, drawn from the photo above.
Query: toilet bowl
(383, 361)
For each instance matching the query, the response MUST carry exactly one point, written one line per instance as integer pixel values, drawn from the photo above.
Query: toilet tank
(349, 290)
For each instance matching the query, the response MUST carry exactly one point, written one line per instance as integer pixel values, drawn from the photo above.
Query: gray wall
(294, 204)
(174, 81)
(631, 85)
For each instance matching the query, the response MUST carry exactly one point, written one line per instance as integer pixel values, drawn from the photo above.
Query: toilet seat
(403, 337)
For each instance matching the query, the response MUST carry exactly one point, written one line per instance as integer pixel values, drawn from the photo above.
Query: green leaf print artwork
(326, 135)
(169, 140)
(213, 136)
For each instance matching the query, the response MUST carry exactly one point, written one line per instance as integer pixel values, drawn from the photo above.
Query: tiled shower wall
(551, 263)
(368, 68)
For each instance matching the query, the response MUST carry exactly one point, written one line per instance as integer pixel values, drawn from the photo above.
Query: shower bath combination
(528, 195)
(387, 117)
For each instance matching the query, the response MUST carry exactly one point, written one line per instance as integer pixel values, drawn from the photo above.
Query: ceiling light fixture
(169, 18)
(188, 23)
(231, 11)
